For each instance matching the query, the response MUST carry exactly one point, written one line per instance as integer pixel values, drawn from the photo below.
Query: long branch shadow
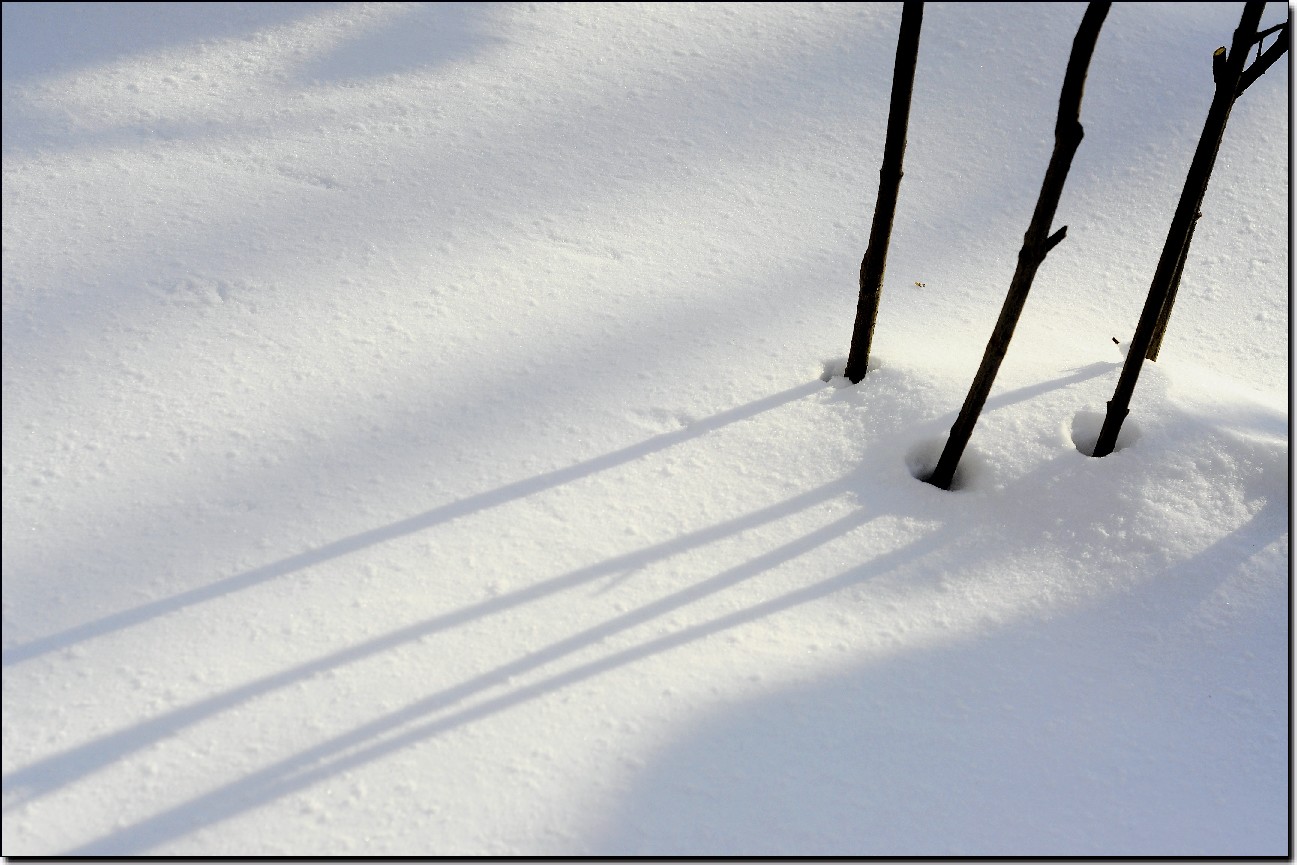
(351, 750)
(445, 513)
(52, 773)
(454, 510)
(1022, 394)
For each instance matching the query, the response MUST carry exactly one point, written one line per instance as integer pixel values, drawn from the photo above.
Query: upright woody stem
(889, 186)
(1036, 244)
(1231, 77)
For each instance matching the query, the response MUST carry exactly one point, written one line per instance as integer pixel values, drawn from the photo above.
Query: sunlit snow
(424, 434)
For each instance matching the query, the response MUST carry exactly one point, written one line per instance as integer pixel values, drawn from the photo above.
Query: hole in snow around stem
(921, 460)
(1086, 426)
(834, 369)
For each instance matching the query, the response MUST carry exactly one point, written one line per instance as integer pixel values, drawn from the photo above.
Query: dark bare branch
(874, 263)
(1228, 71)
(1266, 60)
(1266, 32)
(1035, 245)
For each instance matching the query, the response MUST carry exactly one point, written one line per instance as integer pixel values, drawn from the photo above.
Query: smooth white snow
(421, 436)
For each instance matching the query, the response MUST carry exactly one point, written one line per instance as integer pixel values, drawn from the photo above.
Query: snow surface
(421, 436)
